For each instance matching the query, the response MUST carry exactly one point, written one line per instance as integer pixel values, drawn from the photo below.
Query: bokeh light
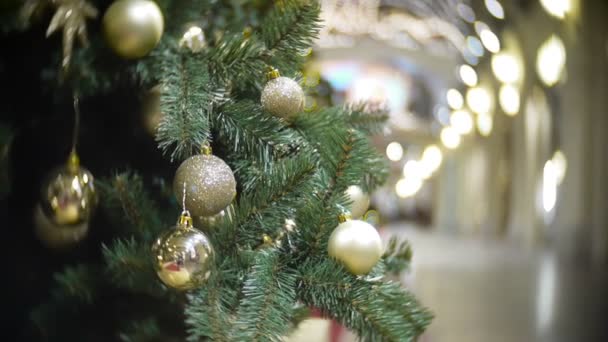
(394, 151)
(479, 100)
(506, 68)
(454, 98)
(462, 121)
(509, 99)
(468, 75)
(550, 60)
(557, 8)
(450, 137)
(485, 123)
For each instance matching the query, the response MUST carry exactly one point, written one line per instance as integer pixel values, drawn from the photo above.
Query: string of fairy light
(473, 102)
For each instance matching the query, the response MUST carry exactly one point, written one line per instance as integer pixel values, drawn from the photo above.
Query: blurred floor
(483, 290)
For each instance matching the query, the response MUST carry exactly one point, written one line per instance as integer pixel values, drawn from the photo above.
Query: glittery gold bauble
(359, 199)
(357, 245)
(183, 256)
(58, 236)
(283, 97)
(210, 184)
(68, 194)
(133, 28)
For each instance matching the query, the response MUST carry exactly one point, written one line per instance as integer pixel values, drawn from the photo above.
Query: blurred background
(497, 142)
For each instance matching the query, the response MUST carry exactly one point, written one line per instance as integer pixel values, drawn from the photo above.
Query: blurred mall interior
(497, 142)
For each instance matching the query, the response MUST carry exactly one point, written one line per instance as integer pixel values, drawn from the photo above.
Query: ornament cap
(206, 149)
(343, 217)
(247, 31)
(73, 163)
(272, 73)
(185, 220)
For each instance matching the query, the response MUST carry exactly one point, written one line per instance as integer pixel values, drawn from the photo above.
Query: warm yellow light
(394, 151)
(408, 186)
(412, 169)
(495, 8)
(549, 186)
(462, 121)
(484, 124)
(550, 60)
(489, 40)
(506, 68)
(557, 8)
(468, 75)
(508, 97)
(479, 100)
(431, 159)
(560, 163)
(455, 99)
(450, 137)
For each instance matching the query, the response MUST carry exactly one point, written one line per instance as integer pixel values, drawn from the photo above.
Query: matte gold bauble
(68, 194)
(357, 245)
(282, 96)
(133, 28)
(57, 236)
(210, 184)
(359, 199)
(183, 256)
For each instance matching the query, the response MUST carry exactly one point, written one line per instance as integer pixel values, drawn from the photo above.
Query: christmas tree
(261, 187)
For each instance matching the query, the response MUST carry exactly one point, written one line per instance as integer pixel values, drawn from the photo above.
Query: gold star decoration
(70, 15)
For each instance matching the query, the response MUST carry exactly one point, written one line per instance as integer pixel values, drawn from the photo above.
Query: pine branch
(237, 58)
(187, 99)
(129, 205)
(265, 310)
(80, 282)
(375, 310)
(251, 132)
(143, 330)
(397, 256)
(365, 119)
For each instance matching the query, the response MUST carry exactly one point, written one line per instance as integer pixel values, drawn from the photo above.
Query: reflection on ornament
(359, 199)
(282, 96)
(57, 236)
(68, 194)
(207, 223)
(357, 245)
(210, 184)
(183, 256)
(133, 28)
(193, 39)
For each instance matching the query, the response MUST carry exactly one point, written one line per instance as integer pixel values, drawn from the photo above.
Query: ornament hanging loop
(73, 160)
(206, 149)
(272, 73)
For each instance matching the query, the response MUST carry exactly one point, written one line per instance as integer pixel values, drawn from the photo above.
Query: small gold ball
(283, 97)
(183, 258)
(68, 195)
(357, 245)
(359, 199)
(133, 28)
(210, 184)
(57, 236)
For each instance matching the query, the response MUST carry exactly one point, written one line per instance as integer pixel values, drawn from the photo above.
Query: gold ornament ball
(183, 257)
(68, 195)
(359, 199)
(210, 184)
(283, 97)
(57, 236)
(357, 245)
(133, 28)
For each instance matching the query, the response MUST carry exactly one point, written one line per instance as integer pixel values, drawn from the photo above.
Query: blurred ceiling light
(450, 137)
(465, 12)
(412, 169)
(550, 60)
(508, 97)
(474, 45)
(560, 164)
(431, 158)
(455, 99)
(479, 100)
(468, 75)
(462, 121)
(408, 186)
(495, 9)
(394, 151)
(549, 186)
(484, 124)
(506, 68)
(557, 8)
(489, 40)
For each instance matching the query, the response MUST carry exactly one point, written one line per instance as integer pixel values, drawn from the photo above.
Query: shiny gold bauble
(283, 97)
(183, 256)
(57, 236)
(359, 199)
(133, 28)
(357, 245)
(68, 194)
(210, 184)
